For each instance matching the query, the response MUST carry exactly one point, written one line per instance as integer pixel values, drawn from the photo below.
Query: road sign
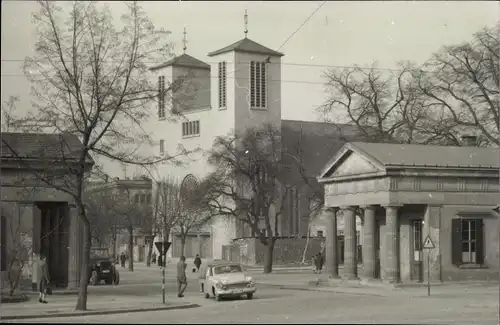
(163, 247)
(428, 244)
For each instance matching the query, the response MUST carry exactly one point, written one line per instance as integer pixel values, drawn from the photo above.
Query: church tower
(247, 83)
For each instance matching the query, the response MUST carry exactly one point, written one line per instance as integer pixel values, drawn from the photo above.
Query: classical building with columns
(406, 193)
(36, 217)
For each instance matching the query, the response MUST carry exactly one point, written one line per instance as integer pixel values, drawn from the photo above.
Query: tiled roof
(40, 145)
(319, 142)
(390, 154)
(247, 45)
(184, 60)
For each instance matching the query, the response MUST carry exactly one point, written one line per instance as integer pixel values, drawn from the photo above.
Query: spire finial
(184, 41)
(246, 23)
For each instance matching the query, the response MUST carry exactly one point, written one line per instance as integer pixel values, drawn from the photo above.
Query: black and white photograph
(250, 162)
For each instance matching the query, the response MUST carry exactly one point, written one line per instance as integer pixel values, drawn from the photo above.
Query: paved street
(292, 306)
(468, 304)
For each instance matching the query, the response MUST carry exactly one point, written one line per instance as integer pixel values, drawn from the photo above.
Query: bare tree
(462, 83)
(250, 183)
(385, 105)
(103, 217)
(90, 80)
(165, 206)
(134, 215)
(192, 214)
(8, 108)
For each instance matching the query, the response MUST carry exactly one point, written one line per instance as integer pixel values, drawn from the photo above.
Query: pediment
(351, 162)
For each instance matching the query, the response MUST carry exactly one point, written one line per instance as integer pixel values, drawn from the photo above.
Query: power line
(288, 64)
(300, 27)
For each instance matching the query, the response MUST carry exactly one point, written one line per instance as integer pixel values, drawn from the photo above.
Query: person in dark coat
(197, 262)
(319, 262)
(122, 259)
(160, 260)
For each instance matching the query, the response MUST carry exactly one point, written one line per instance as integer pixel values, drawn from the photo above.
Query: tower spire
(246, 23)
(184, 41)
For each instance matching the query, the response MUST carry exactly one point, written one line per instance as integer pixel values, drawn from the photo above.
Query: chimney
(469, 141)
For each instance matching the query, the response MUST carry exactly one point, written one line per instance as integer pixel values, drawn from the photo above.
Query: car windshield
(227, 269)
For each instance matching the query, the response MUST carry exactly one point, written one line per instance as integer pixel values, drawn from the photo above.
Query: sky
(342, 33)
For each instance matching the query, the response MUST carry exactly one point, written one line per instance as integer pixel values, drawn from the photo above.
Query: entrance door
(416, 257)
(54, 240)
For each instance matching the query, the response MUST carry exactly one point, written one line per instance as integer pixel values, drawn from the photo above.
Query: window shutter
(456, 241)
(479, 241)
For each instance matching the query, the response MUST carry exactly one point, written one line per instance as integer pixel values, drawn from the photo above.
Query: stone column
(350, 262)
(75, 248)
(392, 243)
(369, 242)
(332, 262)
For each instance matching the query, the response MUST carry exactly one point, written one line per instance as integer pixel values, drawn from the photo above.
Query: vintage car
(222, 279)
(102, 268)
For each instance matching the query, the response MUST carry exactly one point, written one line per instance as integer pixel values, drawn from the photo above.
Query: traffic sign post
(428, 245)
(162, 248)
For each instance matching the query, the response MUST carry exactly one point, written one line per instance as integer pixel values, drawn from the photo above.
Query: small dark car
(103, 269)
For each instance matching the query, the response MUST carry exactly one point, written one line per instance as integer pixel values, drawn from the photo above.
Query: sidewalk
(319, 282)
(64, 307)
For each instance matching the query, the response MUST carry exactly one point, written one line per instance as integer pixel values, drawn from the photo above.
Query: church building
(239, 89)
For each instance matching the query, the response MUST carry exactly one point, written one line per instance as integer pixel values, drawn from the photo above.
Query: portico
(404, 193)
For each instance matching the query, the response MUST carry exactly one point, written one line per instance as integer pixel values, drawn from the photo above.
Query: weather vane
(246, 23)
(184, 41)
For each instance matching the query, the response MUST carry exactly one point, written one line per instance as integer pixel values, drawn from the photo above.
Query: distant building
(136, 198)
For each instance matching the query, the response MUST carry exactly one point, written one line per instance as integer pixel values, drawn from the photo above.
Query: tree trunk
(304, 253)
(81, 303)
(130, 248)
(268, 257)
(150, 250)
(183, 244)
(113, 239)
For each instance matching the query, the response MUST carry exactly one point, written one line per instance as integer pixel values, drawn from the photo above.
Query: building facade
(417, 203)
(36, 217)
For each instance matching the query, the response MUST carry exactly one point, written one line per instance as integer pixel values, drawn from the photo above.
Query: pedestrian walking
(41, 276)
(319, 262)
(160, 261)
(197, 262)
(153, 258)
(315, 269)
(123, 257)
(181, 277)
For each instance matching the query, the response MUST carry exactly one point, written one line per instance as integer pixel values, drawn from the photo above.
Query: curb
(100, 312)
(54, 293)
(14, 299)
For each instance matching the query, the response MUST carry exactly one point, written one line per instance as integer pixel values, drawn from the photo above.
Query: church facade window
(258, 85)
(161, 97)
(222, 84)
(191, 128)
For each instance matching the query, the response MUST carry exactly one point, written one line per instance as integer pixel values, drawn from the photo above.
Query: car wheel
(249, 296)
(217, 297)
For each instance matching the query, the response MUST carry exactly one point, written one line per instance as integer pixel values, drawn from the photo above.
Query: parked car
(103, 269)
(222, 279)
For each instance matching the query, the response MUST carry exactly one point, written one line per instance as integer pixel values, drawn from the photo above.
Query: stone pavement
(60, 306)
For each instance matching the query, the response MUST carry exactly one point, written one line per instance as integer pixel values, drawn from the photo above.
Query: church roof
(184, 60)
(315, 143)
(248, 46)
